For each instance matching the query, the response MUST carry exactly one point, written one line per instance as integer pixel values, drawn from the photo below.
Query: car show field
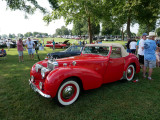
(117, 100)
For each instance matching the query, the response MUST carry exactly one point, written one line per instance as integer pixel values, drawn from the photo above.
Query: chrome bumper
(37, 90)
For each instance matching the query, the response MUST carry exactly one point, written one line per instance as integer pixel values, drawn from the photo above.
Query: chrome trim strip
(37, 90)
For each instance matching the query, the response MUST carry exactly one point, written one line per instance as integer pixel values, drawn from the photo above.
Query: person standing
(30, 46)
(128, 43)
(141, 50)
(20, 49)
(53, 44)
(8, 45)
(149, 54)
(137, 46)
(132, 46)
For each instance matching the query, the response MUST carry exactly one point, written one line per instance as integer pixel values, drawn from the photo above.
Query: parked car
(62, 45)
(73, 50)
(2, 44)
(12, 44)
(98, 64)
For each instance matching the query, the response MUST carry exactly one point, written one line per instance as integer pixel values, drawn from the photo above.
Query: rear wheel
(68, 92)
(130, 72)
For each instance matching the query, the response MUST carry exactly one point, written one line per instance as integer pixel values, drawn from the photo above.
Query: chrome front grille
(51, 64)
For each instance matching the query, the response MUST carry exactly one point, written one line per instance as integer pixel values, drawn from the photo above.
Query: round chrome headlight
(37, 67)
(32, 78)
(43, 71)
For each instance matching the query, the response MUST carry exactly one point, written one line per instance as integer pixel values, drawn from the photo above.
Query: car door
(115, 66)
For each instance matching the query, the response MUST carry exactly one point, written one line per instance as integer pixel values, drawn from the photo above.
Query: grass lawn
(114, 101)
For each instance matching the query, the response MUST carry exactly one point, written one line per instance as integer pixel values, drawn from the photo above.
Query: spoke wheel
(68, 92)
(130, 72)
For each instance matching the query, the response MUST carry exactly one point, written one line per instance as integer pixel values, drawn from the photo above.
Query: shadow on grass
(118, 100)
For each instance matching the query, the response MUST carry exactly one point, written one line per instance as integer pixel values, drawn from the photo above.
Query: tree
(28, 6)
(158, 31)
(77, 10)
(35, 34)
(4, 36)
(64, 30)
(20, 35)
(79, 27)
(10, 36)
(148, 13)
(58, 31)
(28, 34)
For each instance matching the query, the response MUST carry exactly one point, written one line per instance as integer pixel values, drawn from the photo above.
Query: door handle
(111, 61)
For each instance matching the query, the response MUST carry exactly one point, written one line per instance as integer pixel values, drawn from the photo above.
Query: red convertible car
(62, 45)
(98, 64)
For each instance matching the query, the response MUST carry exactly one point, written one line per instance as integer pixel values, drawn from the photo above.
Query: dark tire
(63, 47)
(130, 72)
(68, 92)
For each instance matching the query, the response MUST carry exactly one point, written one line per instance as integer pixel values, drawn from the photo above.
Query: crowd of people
(147, 51)
(30, 45)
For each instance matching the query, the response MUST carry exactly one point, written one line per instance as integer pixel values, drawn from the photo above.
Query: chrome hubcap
(68, 92)
(129, 72)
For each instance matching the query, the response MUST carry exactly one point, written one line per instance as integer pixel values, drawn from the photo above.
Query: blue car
(73, 50)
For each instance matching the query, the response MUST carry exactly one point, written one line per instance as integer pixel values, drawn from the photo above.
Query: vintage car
(73, 50)
(63, 79)
(62, 45)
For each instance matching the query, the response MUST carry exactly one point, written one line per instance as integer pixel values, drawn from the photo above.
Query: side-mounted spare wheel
(68, 92)
(130, 72)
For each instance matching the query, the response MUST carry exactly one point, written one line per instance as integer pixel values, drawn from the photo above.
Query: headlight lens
(37, 67)
(32, 78)
(43, 71)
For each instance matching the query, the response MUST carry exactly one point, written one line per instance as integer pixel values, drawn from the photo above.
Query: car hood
(65, 42)
(85, 61)
(82, 60)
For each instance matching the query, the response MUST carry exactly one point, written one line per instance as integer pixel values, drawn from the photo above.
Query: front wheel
(130, 72)
(68, 92)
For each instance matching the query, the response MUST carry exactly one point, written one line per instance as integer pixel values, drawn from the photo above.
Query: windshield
(99, 50)
(74, 49)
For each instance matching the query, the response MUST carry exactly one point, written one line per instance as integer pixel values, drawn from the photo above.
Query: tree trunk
(89, 30)
(128, 27)
(122, 34)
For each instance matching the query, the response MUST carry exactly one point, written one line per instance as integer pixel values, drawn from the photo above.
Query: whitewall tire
(68, 92)
(130, 72)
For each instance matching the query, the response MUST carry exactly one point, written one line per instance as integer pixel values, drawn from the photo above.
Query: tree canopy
(115, 13)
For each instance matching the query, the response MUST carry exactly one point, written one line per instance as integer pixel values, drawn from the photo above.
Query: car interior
(116, 52)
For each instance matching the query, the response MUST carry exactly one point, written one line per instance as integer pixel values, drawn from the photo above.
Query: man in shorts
(30, 46)
(141, 50)
(149, 54)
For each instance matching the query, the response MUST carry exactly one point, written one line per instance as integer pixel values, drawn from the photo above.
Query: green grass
(115, 101)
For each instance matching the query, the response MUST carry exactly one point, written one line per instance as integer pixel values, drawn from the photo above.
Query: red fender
(132, 60)
(90, 79)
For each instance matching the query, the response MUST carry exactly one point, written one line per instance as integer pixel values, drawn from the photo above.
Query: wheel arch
(77, 79)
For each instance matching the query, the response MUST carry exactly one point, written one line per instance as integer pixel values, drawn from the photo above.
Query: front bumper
(37, 90)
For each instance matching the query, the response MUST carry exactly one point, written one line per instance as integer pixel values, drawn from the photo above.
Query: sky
(14, 22)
